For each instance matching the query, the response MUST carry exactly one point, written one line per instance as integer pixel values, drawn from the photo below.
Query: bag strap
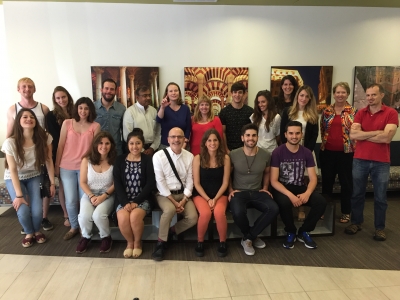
(173, 167)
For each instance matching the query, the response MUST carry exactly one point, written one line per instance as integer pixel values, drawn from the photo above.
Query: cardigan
(147, 181)
(310, 136)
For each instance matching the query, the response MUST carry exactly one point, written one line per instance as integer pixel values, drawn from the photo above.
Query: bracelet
(91, 196)
(208, 199)
(107, 194)
(19, 196)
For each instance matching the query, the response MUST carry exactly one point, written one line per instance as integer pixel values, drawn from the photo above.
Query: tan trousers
(169, 210)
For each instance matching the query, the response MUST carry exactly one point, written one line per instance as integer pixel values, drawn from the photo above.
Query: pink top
(76, 145)
(198, 131)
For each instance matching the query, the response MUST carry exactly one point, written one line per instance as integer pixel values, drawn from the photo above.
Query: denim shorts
(145, 205)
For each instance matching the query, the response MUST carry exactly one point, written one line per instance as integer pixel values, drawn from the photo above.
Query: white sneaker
(259, 243)
(248, 247)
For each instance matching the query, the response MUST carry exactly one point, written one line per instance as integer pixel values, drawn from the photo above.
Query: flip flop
(136, 253)
(128, 253)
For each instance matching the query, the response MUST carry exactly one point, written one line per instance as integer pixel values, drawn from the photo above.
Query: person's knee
(192, 219)
(99, 216)
(205, 214)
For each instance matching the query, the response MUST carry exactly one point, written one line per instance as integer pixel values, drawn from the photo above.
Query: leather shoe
(159, 252)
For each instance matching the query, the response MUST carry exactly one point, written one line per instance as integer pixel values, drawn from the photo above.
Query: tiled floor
(39, 277)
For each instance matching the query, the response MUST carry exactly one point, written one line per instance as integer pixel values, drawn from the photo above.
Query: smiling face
(61, 99)
(26, 89)
(173, 92)
(340, 95)
(302, 99)
(108, 91)
(237, 96)
(287, 88)
(27, 120)
(135, 145)
(176, 138)
(83, 111)
(104, 146)
(212, 143)
(204, 108)
(293, 135)
(373, 96)
(262, 103)
(144, 98)
(250, 138)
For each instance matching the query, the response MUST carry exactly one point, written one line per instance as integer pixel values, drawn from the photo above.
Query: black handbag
(44, 182)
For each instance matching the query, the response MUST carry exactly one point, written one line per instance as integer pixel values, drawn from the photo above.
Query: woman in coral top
(203, 119)
(75, 140)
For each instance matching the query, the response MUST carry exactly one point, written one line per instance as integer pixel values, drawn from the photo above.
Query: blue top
(180, 118)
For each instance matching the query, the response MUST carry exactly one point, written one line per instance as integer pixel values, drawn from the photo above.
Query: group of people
(109, 158)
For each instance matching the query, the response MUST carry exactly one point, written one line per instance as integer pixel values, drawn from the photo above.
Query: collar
(141, 107)
(347, 108)
(172, 153)
(366, 109)
(100, 104)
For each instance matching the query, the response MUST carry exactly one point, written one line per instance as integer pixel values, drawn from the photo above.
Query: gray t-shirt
(243, 178)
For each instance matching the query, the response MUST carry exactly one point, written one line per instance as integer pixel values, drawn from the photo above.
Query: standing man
(288, 163)
(142, 115)
(26, 87)
(373, 128)
(234, 117)
(249, 189)
(110, 112)
(174, 194)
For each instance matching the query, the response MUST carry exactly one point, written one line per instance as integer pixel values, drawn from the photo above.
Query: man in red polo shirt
(373, 129)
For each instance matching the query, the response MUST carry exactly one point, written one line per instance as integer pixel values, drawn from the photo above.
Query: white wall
(56, 43)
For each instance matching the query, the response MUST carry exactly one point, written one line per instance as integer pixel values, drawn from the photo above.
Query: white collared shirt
(136, 116)
(165, 177)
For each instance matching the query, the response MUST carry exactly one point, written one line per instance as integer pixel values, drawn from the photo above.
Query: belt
(177, 192)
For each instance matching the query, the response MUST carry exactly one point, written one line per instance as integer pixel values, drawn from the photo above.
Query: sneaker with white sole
(290, 239)
(259, 243)
(248, 247)
(305, 238)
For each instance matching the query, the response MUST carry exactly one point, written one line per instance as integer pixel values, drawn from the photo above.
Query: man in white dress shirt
(173, 196)
(142, 115)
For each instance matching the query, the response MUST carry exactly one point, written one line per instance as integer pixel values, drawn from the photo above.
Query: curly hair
(205, 156)
(57, 109)
(93, 154)
(92, 110)
(271, 109)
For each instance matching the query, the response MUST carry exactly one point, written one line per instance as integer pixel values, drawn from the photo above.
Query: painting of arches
(215, 83)
(127, 79)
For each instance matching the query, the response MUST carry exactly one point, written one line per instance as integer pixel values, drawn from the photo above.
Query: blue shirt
(111, 121)
(180, 118)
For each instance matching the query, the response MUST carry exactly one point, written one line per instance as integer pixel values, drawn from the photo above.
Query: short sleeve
(8, 147)
(222, 116)
(268, 159)
(275, 158)
(310, 162)
(393, 118)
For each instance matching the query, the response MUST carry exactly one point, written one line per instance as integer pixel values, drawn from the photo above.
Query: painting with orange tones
(215, 83)
(319, 78)
(128, 79)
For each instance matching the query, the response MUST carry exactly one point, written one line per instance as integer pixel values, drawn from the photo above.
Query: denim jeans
(252, 199)
(73, 193)
(379, 172)
(30, 217)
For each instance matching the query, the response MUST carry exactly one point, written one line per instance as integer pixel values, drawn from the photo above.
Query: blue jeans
(30, 217)
(73, 193)
(379, 172)
(252, 199)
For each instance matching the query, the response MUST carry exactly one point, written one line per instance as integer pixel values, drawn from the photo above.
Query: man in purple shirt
(288, 164)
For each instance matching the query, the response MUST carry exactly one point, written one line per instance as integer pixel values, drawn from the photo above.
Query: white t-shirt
(267, 140)
(28, 170)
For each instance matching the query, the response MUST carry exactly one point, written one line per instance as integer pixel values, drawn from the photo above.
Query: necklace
(247, 162)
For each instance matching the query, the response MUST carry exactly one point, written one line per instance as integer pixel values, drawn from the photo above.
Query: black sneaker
(305, 238)
(46, 224)
(290, 239)
(159, 252)
(199, 249)
(222, 251)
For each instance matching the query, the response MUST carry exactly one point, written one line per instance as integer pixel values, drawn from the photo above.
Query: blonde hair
(26, 79)
(342, 84)
(197, 114)
(310, 113)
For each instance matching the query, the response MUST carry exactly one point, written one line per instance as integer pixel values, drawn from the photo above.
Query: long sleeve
(284, 121)
(119, 181)
(150, 180)
(127, 124)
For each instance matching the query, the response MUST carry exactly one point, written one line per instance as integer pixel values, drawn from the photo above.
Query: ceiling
(355, 3)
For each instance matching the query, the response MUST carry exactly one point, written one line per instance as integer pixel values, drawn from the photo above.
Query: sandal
(128, 253)
(40, 238)
(136, 253)
(345, 218)
(66, 222)
(27, 242)
(352, 229)
(70, 234)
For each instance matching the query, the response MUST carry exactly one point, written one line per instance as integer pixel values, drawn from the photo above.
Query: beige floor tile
(1, 256)
(224, 298)
(278, 279)
(382, 277)
(14, 263)
(327, 295)
(172, 281)
(107, 263)
(6, 280)
(208, 280)
(65, 284)
(290, 296)
(75, 263)
(28, 285)
(43, 263)
(137, 281)
(365, 294)
(349, 278)
(137, 262)
(101, 284)
(392, 292)
(243, 280)
(252, 297)
(314, 279)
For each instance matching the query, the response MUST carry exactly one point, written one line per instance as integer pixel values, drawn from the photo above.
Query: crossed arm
(376, 136)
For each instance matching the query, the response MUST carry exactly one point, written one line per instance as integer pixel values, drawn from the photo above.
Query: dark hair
(294, 123)
(92, 110)
(58, 112)
(142, 88)
(93, 153)
(249, 126)
(271, 109)
(238, 86)
(108, 80)
(136, 132)
(205, 156)
(380, 87)
(39, 138)
(280, 104)
(180, 101)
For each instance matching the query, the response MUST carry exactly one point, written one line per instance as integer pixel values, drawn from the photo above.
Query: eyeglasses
(176, 137)
(145, 95)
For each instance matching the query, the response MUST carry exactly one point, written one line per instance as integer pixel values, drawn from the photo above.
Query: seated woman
(134, 182)
(26, 150)
(96, 181)
(211, 171)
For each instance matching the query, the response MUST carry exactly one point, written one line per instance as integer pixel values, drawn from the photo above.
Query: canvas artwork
(319, 78)
(127, 79)
(213, 82)
(388, 77)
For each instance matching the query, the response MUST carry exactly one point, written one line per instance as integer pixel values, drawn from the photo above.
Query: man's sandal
(345, 218)
(352, 229)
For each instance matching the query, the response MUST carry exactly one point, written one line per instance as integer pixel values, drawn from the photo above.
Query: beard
(108, 98)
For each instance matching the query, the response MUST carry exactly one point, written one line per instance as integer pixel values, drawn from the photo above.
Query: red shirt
(369, 150)
(335, 139)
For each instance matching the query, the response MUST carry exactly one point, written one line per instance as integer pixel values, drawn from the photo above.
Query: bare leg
(125, 227)
(46, 205)
(137, 226)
